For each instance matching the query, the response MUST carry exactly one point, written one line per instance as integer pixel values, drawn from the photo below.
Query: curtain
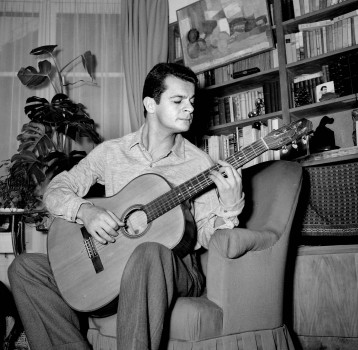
(145, 43)
(75, 26)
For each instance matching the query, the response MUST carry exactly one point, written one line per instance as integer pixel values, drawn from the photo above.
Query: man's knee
(16, 265)
(144, 256)
(149, 250)
(25, 264)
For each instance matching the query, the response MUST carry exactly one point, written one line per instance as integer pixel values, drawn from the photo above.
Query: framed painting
(215, 32)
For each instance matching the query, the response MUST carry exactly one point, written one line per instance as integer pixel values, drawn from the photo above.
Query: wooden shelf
(226, 129)
(314, 64)
(240, 84)
(326, 107)
(291, 25)
(334, 156)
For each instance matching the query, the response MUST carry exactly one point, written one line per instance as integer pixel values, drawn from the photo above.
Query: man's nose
(189, 107)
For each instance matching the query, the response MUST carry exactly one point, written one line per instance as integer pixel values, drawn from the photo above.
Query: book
(296, 8)
(289, 58)
(236, 107)
(355, 29)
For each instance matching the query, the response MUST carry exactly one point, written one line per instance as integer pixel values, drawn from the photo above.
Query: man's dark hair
(154, 84)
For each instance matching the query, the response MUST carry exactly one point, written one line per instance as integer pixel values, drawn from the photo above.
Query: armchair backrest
(263, 184)
(249, 288)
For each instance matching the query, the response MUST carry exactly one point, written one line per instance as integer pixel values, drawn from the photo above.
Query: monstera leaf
(69, 118)
(42, 50)
(35, 138)
(59, 109)
(79, 125)
(60, 161)
(32, 78)
(88, 62)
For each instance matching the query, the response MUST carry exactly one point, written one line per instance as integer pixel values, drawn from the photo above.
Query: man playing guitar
(154, 275)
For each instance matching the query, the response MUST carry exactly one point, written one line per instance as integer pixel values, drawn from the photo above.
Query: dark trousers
(153, 278)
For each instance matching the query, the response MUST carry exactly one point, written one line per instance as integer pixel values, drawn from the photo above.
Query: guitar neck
(201, 182)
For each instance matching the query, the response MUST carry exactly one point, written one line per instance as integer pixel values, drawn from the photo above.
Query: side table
(17, 227)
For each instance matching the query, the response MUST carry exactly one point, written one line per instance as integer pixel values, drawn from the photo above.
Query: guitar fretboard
(199, 183)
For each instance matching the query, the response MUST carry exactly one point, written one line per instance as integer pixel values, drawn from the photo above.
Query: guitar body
(80, 285)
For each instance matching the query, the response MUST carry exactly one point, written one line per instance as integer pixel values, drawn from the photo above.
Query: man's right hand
(100, 223)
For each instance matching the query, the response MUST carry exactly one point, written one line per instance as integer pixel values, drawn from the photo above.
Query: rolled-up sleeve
(63, 196)
(207, 208)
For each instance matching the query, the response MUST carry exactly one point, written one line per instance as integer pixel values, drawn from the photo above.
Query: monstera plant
(45, 141)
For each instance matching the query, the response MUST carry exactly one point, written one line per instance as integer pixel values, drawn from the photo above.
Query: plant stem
(63, 68)
(58, 72)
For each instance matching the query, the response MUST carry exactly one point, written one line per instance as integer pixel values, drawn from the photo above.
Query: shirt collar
(178, 149)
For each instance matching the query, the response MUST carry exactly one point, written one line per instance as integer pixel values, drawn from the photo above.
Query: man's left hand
(229, 184)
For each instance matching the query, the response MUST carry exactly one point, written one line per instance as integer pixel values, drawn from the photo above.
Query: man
(154, 276)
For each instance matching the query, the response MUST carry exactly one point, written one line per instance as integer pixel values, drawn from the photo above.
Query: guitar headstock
(288, 134)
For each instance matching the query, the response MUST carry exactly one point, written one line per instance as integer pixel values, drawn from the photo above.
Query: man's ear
(149, 104)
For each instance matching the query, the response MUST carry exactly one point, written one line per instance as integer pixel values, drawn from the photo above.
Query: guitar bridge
(91, 250)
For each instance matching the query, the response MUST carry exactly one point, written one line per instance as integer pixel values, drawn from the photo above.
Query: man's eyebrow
(176, 96)
(182, 96)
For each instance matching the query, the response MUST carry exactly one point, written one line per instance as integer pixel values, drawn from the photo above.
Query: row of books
(223, 146)
(263, 61)
(302, 7)
(317, 38)
(236, 107)
(309, 82)
(246, 104)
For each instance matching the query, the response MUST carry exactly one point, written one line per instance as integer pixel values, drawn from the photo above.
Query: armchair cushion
(195, 319)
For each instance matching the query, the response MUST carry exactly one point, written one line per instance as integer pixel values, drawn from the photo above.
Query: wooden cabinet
(325, 297)
(286, 73)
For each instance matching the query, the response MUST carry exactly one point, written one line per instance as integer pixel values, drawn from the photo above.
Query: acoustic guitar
(88, 273)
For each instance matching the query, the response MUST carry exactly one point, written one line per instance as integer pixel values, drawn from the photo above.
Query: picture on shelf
(214, 33)
(325, 91)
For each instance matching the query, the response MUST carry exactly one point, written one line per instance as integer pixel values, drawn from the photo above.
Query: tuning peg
(294, 144)
(284, 150)
(304, 139)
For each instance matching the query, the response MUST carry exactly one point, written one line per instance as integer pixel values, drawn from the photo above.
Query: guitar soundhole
(136, 223)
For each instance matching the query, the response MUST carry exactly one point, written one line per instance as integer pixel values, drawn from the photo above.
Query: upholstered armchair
(243, 305)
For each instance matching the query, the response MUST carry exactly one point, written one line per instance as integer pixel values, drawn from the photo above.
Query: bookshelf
(284, 73)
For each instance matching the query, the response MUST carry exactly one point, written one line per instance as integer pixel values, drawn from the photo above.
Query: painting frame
(214, 33)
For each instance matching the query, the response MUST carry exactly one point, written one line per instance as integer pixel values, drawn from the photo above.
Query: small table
(17, 226)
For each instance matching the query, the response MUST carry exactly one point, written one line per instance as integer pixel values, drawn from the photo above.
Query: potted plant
(45, 142)
(17, 193)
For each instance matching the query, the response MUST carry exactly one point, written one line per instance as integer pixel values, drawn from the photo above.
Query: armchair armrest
(236, 242)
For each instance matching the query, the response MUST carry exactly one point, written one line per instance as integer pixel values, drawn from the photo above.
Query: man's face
(324, 90)
(174, 112)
